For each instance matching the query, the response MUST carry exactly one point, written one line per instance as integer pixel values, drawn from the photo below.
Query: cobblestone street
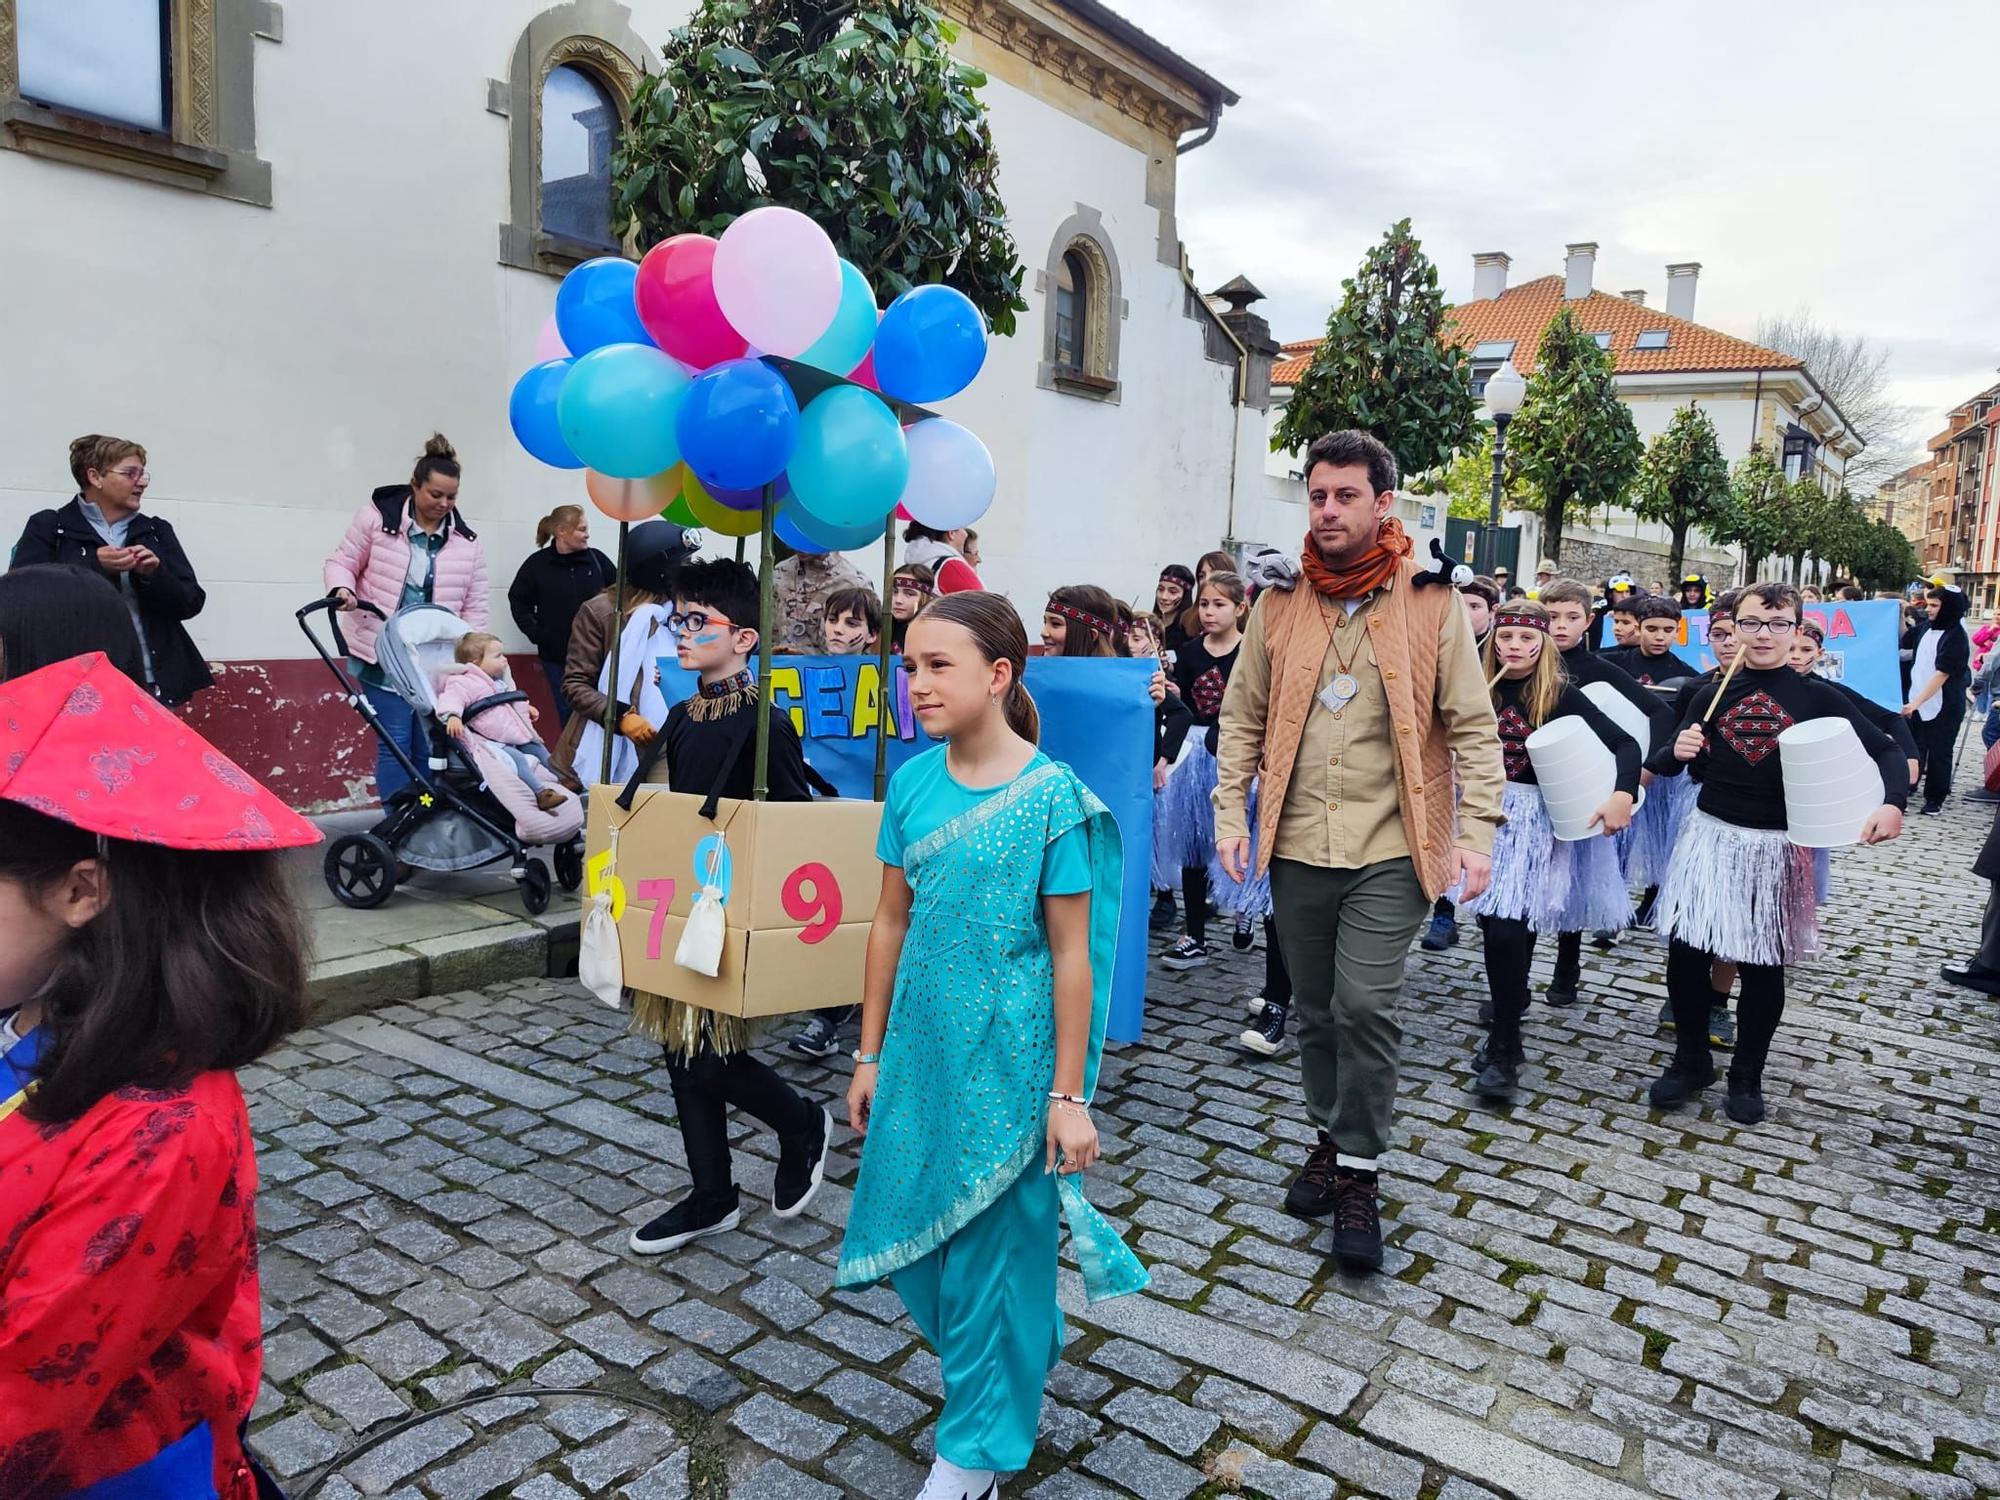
(1582, 1298)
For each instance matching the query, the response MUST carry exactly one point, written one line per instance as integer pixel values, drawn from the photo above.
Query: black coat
(548, 591)
(169, 597)
(1987, 866)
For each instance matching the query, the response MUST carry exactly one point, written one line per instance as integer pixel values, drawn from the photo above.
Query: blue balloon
(845, 342)
(786, 528)
(738, 425)
(594, 306)
(532, 410)
(796, 519)
(930, 344)
(617, 410)
(851, 463)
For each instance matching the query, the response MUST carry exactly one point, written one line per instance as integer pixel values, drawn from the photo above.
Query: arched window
(580, 125)
(1084, 310)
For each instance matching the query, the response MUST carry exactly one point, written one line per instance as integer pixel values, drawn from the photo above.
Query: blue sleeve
(1066, 863)
(889, 842)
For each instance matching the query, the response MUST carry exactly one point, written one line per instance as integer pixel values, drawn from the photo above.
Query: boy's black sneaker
(1972, 977)
(1498, 1077)
(1244, 937)
(801, 1166)
(1676, 1086)
(1667, 1021)
(1267, 1034)
(1562, 989)
(690, 1219)
(1164, 911)
(820, 1036)
(1185, 954)
(1440, 934)
(1311, 1194)
(1746, 1102)
(1357, 1221)
(1721, 1026)
(1931, 809)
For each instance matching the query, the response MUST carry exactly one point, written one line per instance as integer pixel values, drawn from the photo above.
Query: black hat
(654, 551)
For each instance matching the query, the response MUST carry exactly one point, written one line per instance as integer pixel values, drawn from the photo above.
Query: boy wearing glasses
(1737, 890)
(706, 746)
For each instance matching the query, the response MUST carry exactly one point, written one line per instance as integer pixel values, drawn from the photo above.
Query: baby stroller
(446, 818)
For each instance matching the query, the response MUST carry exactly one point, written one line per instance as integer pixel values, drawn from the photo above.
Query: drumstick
(1723, 686)
(1496, 676)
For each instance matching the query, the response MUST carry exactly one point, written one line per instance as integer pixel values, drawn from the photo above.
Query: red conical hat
(80, 741)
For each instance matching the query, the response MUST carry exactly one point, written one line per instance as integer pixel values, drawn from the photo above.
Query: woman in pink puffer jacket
(407, 545)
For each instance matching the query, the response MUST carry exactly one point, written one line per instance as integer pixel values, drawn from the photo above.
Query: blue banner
(1097, 718)
(1862, 644)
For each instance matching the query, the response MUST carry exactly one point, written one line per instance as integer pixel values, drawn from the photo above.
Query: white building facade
(317, 233)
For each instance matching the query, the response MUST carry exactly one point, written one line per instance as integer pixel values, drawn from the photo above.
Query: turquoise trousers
(986, 1301)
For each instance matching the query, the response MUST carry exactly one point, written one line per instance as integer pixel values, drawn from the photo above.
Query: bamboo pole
(888, 635)
(766, 609)
(1742, 650)
(617, 635)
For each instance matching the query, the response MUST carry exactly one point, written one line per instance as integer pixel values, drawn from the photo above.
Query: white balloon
(951, 475)
(777, 279)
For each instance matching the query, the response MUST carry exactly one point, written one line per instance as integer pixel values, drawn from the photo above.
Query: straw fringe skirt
(1184, 816)
(1250, 898)
(1656, 828)
(1551, 885)
(1743, 894)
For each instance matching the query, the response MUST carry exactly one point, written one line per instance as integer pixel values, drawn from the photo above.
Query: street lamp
(1505, 391)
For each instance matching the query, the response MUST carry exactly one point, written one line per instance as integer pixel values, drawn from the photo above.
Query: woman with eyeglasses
(104, 530)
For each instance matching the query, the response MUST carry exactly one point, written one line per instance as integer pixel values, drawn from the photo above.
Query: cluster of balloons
(651, 378)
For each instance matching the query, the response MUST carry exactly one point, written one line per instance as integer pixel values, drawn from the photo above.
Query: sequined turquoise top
(961, 1109)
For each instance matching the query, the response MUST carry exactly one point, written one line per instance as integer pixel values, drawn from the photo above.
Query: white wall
(281, 363)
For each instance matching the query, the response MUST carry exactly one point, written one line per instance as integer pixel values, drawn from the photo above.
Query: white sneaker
(949, 1482)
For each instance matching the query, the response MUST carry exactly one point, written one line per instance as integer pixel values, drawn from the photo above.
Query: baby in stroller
(500, 736)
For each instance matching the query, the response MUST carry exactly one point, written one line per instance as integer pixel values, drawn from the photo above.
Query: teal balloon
(618, 408)
(846, 340)
(800, 529)
(850, 464)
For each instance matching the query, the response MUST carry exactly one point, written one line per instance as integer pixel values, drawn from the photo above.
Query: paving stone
(505, 1339)
(1439, 1384)
(1362, 1464)
(494, 1464)
(688, 1374)
(1254, 1412)
(875, 1402)
(1506, 1463)
(1145, 1471)
(292, 1353)
(295, 1444)
(1256, 1474)
(570, 1368)
(868, 1342)
(783, 1428)
(631, 1450)
(356, 1395)
(397, 1352)
(871, 1468)
(1686, 1477)
(1179, 1428)
(706, 1327)
(666, 1480)
(380, 1470)
(636, 1293)
(794, 1367)
(1140, 1363)
(1578, 1439)
(616, 1340)
(778, 1480)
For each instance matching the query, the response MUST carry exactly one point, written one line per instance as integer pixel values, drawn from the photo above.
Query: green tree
(1684, 479)
(1387, 365)
(1809, 514)
(852, 112)
(1574, 442)
(1883, 557)
(1756, 513)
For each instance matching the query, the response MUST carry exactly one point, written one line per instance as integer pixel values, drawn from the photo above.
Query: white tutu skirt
(1249, 898)
(1551, 885)
(1746, 895)
(1648, 843)
(1184, 815)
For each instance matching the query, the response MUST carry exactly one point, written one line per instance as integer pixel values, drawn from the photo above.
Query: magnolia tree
(1684, 480)
(1574, 443)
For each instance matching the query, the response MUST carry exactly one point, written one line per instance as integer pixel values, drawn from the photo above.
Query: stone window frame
(210, 145)
(1104, 309)
(596, 37)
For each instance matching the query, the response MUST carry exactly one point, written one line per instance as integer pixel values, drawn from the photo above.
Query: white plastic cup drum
(1832, 787)
(1623, 712)
(1577, 773)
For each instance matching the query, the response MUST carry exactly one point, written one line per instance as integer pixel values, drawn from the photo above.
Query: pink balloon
(675, 298)
(549, 343)
(901, 514)
(777, 279)
(864, 373)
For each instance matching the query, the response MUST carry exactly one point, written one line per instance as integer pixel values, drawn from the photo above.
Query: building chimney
(1489, 274)
(1681, 278)
(1636, 294)
(1580, 261)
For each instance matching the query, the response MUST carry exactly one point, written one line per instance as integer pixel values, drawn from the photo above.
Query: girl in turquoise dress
(983, 1010)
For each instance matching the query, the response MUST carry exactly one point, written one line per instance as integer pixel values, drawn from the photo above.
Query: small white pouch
(600, 964)
(700, 947)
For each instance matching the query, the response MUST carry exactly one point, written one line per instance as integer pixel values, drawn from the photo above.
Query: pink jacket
(465, 685)
(373, 559)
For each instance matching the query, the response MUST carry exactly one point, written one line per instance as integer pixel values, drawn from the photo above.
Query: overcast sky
(1840, 155)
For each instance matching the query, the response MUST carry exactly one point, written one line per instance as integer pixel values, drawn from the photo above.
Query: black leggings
(1194, 896)
(705, 1088)
(1509, 947)
(1277, 978)
(1759, 1005)
(1939, 737)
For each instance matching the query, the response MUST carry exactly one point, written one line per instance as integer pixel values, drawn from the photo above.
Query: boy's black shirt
(1515, 729)
(696, 750)
(1739, 767)
(1647, 671)
(1583, 668)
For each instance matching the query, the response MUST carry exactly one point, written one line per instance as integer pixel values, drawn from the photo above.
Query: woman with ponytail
(559, 577)
(984, 1002)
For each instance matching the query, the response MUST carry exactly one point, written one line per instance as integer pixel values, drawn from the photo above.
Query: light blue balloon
(532, 411)
(851, 464)
(594, 306)
(737, 426)
(618, 407)
(930, 344)
(845, 342)
(820, 536)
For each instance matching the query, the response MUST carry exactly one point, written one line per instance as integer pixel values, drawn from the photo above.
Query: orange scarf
(1374, 568)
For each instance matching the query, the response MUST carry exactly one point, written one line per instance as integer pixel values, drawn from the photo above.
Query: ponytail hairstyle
(998, 634)
(562, 518)
(1206, 566)
(1231, 586)
(1091, 617)
(1541, 688)
(439, 458)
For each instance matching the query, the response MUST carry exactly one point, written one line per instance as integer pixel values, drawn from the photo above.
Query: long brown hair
(997, 632)
(1232, 587)
(1217, 561)
(197, 962)
(1542, 687)
(1080, 639)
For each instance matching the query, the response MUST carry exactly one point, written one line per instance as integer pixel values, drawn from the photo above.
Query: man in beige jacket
(1357, 698)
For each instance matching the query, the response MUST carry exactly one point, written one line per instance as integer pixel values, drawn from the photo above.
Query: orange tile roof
(1522, 312)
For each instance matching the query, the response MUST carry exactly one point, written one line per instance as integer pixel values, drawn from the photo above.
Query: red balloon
(955, 576)
(864, 373)
(675, 298)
